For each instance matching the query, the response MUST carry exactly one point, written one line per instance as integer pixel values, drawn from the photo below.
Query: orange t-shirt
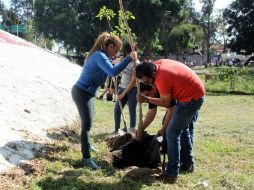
(177, 80)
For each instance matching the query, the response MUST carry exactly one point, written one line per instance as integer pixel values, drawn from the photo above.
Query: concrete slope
(35, 88)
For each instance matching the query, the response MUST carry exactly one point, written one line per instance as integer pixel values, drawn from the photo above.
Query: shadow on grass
(83, 179)
(225, 93)
(61, 134)
(75, 176)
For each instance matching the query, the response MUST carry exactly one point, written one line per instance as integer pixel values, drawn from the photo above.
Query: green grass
(243, 83)
(223, 150)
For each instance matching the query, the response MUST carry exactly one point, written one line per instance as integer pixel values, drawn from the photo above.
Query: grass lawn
(223, 149)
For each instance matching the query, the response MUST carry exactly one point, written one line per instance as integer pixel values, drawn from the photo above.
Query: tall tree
(9, 17)
(182, 38)
(176, 13)
(221, 24)
(207, 23)
(74, 22)
(71, 22)
(240, 18)
(150, 17)
(2, 8)
(23, 8)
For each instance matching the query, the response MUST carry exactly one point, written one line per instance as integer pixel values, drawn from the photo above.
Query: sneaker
(167, 179)
(88, 162)
(186, 169)
(121, 132)
(131, 130)
(93, 149)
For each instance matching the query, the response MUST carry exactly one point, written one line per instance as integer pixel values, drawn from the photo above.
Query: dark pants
(131, 99)
(184, 117)
(85, 104)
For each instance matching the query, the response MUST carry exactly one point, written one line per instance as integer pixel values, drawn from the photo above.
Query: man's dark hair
(144, 87)
(145, 69)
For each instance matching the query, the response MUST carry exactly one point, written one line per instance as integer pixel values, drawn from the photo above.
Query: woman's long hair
(103, 40)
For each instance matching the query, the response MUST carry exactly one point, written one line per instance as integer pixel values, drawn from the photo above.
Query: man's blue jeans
(130, 97)
(179, 134)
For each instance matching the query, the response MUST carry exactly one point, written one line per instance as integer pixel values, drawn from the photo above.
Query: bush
(234, 77)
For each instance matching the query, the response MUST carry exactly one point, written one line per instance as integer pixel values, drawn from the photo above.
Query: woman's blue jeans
(85, 104)
(180, 134)
(130, 97)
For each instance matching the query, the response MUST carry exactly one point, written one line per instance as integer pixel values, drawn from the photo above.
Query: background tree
(182, 12)
(9, 18)
(23, 9)
(207, 23)
(182, 38)
(2, 8)
(148, 23)
(221, 29)
(31, 31)
(240, 18)
(72, 23)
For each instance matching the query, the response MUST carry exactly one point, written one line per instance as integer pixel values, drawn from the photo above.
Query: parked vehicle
(249, 61)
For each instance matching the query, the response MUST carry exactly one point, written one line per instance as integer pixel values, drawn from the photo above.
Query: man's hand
(141, 98)
(120, 96)
(161, 132)
(134, 55)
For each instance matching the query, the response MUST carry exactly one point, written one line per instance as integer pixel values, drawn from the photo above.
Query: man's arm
(150, 115)
(128, 88)
(164, 101)
(148, 120)
(166, 121)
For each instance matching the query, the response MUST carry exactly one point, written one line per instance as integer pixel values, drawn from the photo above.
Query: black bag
(144, 153)
(109, 96)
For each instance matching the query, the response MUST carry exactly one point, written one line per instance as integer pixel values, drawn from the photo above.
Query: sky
(219, 4)
(7, 3)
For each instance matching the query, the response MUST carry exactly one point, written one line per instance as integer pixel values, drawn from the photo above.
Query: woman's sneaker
(88, 162)
(92, 148)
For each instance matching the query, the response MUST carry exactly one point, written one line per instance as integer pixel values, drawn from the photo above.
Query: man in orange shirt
(175, 81)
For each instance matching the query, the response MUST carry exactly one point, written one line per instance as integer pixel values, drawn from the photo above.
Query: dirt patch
(15, 178)
(115, 142)
(110, 158)
(143, 174)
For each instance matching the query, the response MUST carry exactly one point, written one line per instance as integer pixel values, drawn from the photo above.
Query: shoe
(125, 129)
(131, 130)
(167, 179)
(121, 132)
(93, 149)
(88, 162)
(186, 169)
